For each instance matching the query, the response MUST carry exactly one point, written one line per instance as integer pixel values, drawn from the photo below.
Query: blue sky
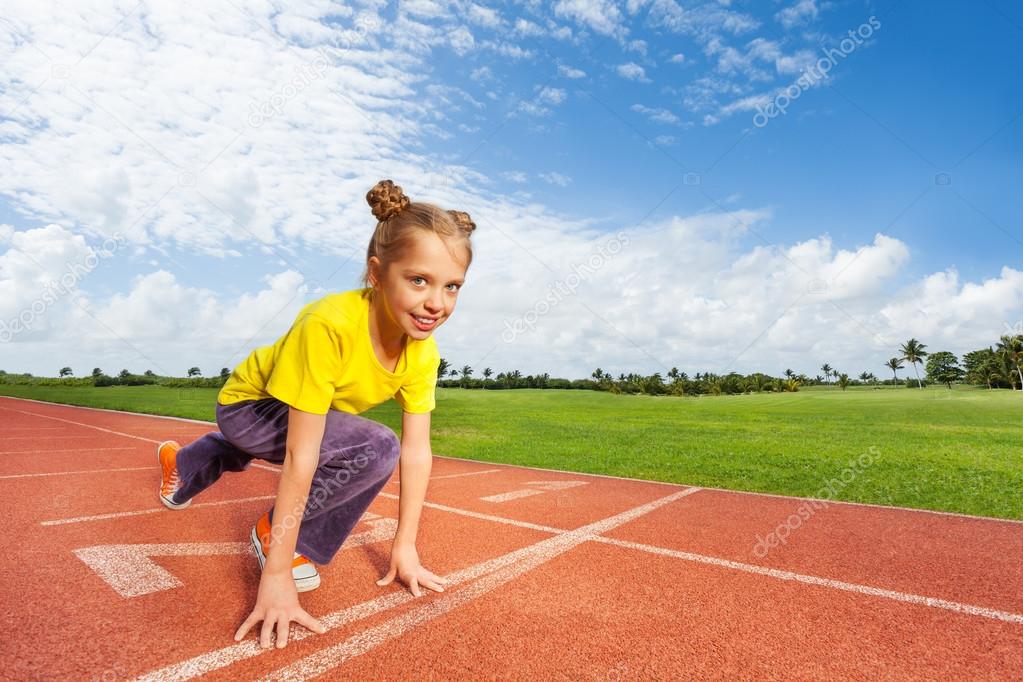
(557, 125)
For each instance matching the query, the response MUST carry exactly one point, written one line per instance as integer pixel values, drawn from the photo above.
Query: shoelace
(172, 481)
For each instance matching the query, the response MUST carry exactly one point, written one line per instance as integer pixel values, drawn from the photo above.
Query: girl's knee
(385, 447)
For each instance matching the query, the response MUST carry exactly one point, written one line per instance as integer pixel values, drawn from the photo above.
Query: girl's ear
(373, 266)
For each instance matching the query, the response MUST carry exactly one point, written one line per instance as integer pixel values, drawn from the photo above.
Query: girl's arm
(415, 462)
(305, 433)
(277, 599)
(414, 467)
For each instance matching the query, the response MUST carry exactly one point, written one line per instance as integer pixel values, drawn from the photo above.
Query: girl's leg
(201, 462)
(357, 457)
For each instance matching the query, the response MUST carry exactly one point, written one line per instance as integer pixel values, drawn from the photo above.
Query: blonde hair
(399, 220)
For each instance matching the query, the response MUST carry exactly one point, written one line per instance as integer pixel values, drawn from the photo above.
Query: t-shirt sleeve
(307, 367)
(418, 393)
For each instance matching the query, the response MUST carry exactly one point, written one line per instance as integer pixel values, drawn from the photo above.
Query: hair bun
(386, 199)
(463, 221)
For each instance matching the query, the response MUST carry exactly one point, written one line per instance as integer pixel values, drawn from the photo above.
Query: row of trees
(66, 377)
(997, 367)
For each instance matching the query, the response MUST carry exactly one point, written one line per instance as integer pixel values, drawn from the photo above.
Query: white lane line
(140, 512)
(790, 498)
(822, 582)
(487, 517)
(84, 471)
(276, 470)
(515, 563)
(47, 451)
(466, 473)
(539, 487)
(750, 568)
(129, 570)
(88, 426)
(526, 560)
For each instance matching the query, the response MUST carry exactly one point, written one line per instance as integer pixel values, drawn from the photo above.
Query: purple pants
(357, 457)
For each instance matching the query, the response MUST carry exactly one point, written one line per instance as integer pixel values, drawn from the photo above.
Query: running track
(553, 575)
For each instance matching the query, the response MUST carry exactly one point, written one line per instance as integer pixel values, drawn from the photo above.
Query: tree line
(997, 366)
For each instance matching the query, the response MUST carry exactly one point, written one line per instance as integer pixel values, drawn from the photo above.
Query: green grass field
(955, 450)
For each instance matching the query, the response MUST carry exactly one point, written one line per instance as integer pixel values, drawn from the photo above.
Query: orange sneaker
(167, 454)
(302, 570)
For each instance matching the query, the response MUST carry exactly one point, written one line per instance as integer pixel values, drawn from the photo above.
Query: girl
(295, 403)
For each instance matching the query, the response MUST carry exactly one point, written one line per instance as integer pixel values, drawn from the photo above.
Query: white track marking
(257, 465)
(84, 471)
(465, 473)
(486, 517)
(751, 568)
(545, 550)
(822, 582)
(524, 560)
(88, 426)
(555, 471)
(791, 498)
(48, 451)
(539, 487)
(129, 570)
(154, 510)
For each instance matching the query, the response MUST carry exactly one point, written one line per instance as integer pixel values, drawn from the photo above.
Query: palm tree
(864, 377)
(843, 380)
(894, 364)
(1011, 347)
(442, 368)
(826, 368)
(789, 374)
(66, 372)
(913, 351)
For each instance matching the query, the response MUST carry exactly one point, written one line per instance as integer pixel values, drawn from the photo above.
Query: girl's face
(418, 292)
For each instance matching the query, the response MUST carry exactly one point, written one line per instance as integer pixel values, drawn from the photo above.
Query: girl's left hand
(405, 564)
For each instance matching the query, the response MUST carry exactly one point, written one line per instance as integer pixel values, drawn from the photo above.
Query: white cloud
(601, 16)
(551, 95)
(514, 176)
(799, 13)
(657, 115)
(632, 72)
(484, 16)
(570, 72)
(556, 179)
(462, 41)
(677, 58)
(527, 29)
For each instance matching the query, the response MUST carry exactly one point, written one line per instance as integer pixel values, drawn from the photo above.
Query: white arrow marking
(543, 485)
(132, 573)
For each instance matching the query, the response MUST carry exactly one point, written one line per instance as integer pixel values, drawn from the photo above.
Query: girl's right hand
(277, 603)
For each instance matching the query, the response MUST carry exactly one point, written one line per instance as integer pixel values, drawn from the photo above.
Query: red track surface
(585, 577)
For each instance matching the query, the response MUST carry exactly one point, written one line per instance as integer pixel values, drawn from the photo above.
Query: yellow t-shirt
(326, 360)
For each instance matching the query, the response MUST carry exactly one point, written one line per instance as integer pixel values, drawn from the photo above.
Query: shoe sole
(301, 584)
(167, 503)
